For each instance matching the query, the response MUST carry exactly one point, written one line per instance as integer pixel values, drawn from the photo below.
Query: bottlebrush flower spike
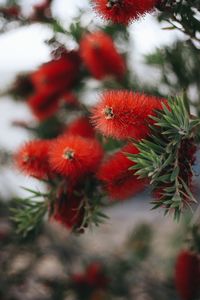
(68, 210)
(44, 103)
(75, 156)
(32, 159)
(187, 275)
(119, 181)
(123, 11)
(60, 73)
(124, 114)
(101, 57)
(82, 127)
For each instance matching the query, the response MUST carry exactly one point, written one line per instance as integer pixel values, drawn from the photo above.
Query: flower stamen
(68, 154)
(108, 112)
(26, 158)
(112, 3)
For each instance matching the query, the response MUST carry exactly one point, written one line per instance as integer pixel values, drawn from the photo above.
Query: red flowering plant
(72, 166)
(168, 164)
(117, 147)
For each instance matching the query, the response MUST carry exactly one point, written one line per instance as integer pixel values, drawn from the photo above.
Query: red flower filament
(75, 156)
(123, 11)
(124, 114)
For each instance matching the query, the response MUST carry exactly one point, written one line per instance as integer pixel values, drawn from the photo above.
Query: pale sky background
(24, 49)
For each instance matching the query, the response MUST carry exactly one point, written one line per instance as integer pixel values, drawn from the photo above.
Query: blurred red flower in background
(44, 103)
(187, 275)
(101, 56)
(82, 127)
(61, 73)
(119, 181)
(68, 210)
(51, 83)
(32, 158)
(93, 277)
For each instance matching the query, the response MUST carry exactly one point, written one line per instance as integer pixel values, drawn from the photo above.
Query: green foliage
(93, 214)
(76, 30)
(92, 206)
(164, 158)
(179, 68)
(182, 15)
(29, 213)
(49, 128)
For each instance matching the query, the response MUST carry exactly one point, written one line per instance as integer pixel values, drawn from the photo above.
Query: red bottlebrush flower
(120, 182)
(75, 156)
(68, 210)
(32, 158)
(123, 11)
(82, 127)
(60, 73)
(93, 277)
(44, 103)
(187, 275)
(124, 114)
(100, 56)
